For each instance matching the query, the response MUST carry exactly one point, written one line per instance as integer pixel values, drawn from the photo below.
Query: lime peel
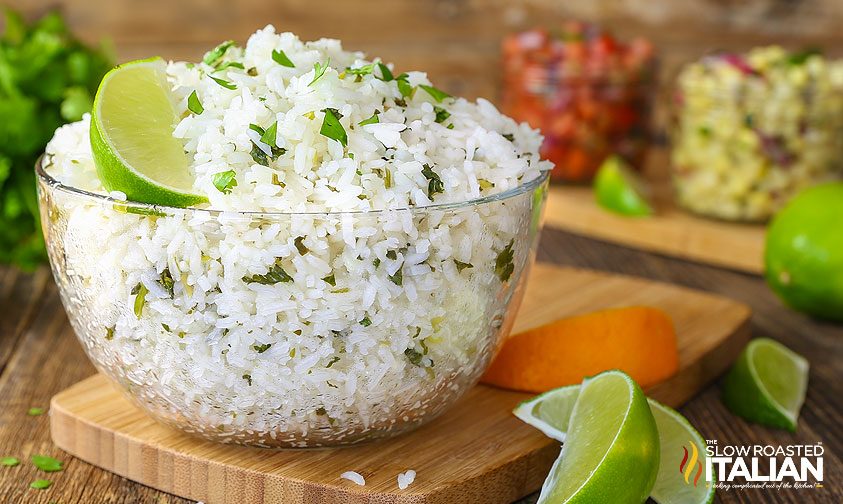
(620, 190)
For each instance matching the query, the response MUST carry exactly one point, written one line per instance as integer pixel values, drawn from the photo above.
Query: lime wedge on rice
(611, 452)
(681, 446)
(619, 189)
(132, 137)
(767, 384)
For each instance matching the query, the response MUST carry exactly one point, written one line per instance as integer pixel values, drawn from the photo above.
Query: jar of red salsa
(590, 94)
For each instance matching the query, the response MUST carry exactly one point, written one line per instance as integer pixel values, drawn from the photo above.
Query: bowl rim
(152, 209)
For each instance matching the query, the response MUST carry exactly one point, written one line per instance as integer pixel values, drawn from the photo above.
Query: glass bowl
(291, 329)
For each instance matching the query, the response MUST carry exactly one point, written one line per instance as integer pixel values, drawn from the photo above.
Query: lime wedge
(612, 449)
(681, 446)
(132, 137)
(767, 384)
(619, 189)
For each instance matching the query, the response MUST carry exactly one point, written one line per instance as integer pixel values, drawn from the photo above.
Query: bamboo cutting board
(475, 453)
(670, 231)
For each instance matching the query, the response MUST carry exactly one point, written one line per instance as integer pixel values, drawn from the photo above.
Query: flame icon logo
(686, 467)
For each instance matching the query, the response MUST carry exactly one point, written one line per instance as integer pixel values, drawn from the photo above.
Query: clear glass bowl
(291, 330)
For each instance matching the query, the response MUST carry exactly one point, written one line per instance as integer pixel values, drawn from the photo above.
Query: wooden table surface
(40, 356)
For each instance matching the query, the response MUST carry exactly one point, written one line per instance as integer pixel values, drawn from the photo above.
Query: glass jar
(590, 95)
(750, 131)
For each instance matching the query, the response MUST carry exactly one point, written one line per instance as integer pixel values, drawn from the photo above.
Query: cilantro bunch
(47, 78)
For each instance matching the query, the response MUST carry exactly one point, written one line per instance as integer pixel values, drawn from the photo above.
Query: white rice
(406, 478)
(342, 348)
(354, 477)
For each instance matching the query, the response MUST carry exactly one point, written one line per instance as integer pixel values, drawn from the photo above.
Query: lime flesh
(612, 449)
(551, 413)
(619, 189)
(132, 137)
(767, 384)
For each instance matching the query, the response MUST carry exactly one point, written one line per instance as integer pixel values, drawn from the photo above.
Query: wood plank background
(455, 41)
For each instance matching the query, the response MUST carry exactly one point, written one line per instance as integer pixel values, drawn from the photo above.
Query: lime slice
(619, 189)
(681, 446)
(767, 384)
(612, 449)
(132, 137)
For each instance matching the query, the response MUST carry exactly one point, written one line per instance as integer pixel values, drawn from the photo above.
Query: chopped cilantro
(214, 55)
(262, 348)
(193, 104)
(363, 70)
(414, 356)
(47, 464)
(40, 484)
(435, 184)
(9, 461)
(441, 114)
(450, 126)
(503, 262)
(230, 64)
(319, 71)
(35, 411)
(257, 129)
(437, 94)
(252, 72)
(509, 136)
(109, 333)
(269, 136)
(376, 262)
(485, 184)
(139, 291)
(275, 275)
(387, 179)
(258, 155)
(342, 290)
(224, 83)
(462, 265)
(167, 281)
(330, 280)
(386, 74)
(372, 120)
(365, 322)
(404, 86)
(225, 181)
(165, 327)
(332, 128)
(299, 243)
(282, 59)
(248, 379)
(293, 350)
(333, 361)
(397, 278)
(391, 254)
(277, 181)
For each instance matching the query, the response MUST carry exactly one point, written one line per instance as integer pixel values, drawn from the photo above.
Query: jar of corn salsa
(589, 94)
(751, 130)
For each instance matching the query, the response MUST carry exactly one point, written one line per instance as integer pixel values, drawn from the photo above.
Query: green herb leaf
(386, 74)
(230, 64)
(332, 128)
(282, 59)
(248, 379)
(462, 265)
(800, 57)
(252, 72)
(485, 184)
(257, 129)
(262, 348)
(387, 179)
(414, 356)
(224, 83)
(225, 181)
(365, 322)
(363, 70)
(167, 281)
(330, 280)
(435, 184)
(376, 262)
(299, 243)
(436, 93)
(276, 274)
(277, 181)
(372, 120)
(165, 327)
(9, 461)
(140, 292)
(47, 464)
(509, 136)
(319, 71)
(503, 262)
(391, 254)
(214, 55)
(193, 104)
(35, 411)
(40, 484)
(441, 114)
(333, 361)
(450, 126)
(398, 277)
(269, 137)
(404, 87)
(258, 155)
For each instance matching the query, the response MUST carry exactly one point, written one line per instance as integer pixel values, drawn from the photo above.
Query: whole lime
(804, 252)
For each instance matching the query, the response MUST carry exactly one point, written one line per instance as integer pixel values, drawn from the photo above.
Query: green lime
(132, 137)
(767, 384)
(619, 189)
(804, 252)
(611, 439)
(681, 446)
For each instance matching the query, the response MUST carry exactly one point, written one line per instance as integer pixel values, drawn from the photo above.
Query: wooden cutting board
(671, 231)
(475, 453)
